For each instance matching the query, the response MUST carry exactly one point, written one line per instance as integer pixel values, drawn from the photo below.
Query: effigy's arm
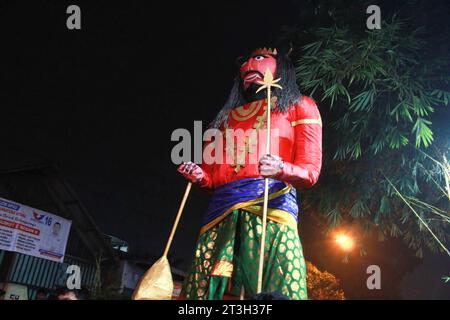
(200, 175)
(304, 170)
(206, 182)
(207, 166)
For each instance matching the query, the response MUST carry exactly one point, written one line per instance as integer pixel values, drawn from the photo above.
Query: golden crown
(265, 51)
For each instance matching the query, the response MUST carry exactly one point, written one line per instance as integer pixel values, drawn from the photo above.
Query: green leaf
(420, 108)
(385, 205)
(334, 217)
(363, 101)
(423, 132)
(358, 209)
(397, 140)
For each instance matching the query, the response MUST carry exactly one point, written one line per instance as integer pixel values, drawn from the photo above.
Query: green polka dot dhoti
(227, 255)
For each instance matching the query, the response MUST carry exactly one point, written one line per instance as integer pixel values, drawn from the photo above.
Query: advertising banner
(33, 232)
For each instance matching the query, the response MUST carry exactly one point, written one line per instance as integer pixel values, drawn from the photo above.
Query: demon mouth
(252, 76)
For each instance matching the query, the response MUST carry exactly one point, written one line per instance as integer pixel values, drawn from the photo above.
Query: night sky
(103, 101)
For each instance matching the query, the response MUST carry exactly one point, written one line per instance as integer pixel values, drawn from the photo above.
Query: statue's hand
(191, 171)
(270, 165)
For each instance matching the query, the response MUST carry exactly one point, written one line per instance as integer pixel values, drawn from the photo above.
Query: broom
(157, 282)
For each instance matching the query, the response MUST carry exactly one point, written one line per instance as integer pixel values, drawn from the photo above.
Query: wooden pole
(177, 219)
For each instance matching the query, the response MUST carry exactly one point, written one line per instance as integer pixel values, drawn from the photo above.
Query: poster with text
(33, 232)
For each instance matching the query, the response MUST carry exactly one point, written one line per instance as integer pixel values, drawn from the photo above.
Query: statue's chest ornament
(239, 150)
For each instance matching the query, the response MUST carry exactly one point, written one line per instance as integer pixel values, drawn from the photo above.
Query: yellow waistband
(275, 215)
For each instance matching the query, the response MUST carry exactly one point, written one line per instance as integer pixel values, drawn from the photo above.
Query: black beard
(251, 95)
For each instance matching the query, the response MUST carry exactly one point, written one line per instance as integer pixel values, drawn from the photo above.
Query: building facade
(88, 251)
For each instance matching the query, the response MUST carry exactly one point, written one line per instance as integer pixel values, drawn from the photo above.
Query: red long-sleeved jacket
(298, 134)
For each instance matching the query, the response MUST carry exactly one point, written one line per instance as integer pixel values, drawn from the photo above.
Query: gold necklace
(240, 114)
(250, 141)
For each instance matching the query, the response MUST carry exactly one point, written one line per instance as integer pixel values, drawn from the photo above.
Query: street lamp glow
(345, 242)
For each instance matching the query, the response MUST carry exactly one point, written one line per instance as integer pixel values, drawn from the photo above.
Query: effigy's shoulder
(305, 107)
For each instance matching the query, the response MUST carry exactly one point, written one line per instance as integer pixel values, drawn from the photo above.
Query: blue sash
(248, 190)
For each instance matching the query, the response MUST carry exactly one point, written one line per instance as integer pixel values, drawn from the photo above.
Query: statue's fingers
(276, 158)
(264, 162)
(270, 163)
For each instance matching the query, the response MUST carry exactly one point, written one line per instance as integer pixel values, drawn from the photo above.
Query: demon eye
(258, 58)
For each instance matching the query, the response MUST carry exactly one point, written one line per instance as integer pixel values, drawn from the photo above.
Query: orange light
(345, 242)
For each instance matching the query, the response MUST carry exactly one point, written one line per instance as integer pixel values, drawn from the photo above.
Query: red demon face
(254, 68)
